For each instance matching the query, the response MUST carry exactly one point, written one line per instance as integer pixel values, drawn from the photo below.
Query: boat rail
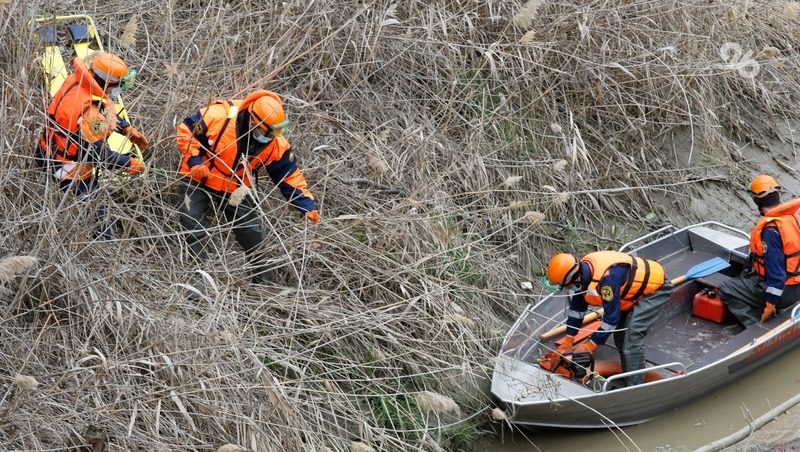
(675, 230)
(647, 236)
(724, 226)
(641, 371)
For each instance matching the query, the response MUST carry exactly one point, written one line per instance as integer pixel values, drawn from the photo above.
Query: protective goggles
(126, 82)
(281, 125)
(274, 130)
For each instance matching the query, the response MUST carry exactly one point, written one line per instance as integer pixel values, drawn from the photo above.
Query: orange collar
(787, 208)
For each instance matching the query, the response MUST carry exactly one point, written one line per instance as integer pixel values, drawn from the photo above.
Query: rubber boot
(105, 229)
(197, 282)
(634, 361)
(259, 276)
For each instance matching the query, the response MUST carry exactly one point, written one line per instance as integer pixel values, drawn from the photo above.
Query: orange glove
(199, 172)
(137, 138)
(769, 312)
(135, 167)
(586, 347)
(313, 216)
(566, 345)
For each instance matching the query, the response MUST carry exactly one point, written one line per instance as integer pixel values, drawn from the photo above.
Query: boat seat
(705, 239)
(713, 280)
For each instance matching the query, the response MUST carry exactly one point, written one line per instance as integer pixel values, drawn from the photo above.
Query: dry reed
(453, 147)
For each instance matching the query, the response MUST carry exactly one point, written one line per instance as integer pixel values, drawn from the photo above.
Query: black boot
(259, 276)
(197, 282)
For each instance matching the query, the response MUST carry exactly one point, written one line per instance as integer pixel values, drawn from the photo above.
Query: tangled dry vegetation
(454, 145)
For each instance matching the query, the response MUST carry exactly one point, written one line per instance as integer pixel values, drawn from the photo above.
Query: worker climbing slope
(223, 146)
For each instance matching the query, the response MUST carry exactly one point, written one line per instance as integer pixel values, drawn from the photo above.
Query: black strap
(240, 148)
(644, 282)
(631, 279)
(213, 150)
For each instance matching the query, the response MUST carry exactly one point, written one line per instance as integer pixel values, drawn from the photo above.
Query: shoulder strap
(233, 110)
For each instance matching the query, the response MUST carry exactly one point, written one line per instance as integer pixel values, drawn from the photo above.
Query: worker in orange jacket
(772, 281)
(81, 116)
(632, 292)
(223, 146)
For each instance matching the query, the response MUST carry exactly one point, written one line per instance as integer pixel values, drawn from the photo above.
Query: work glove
(199, 172)
(137, 138)
(566, 345)
(769, 312)
(313, 216)
(135, 167)
(586, 347)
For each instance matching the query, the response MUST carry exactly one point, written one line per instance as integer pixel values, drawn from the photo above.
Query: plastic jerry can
(708, 305)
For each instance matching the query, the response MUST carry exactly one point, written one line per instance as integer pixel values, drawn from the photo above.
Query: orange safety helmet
(561, 270)
(763, 185)
(267, 113)
(109, 68)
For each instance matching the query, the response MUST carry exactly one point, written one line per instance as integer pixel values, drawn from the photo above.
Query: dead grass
(453, 145)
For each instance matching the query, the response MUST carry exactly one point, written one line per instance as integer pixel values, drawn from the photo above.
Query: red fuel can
(707, 305)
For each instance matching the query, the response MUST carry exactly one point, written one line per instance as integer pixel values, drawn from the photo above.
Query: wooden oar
(704, 268)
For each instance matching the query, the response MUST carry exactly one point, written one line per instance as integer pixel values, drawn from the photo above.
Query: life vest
(786, 219)
(644, 277)
(212, 134)
(62, 139)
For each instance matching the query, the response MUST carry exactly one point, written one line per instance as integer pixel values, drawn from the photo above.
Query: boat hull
(695, 356)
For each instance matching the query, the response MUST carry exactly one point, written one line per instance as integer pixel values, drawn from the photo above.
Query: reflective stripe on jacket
(786, 219)
(645, 276)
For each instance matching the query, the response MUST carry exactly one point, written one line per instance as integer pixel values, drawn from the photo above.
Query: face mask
(552, 288)
(258, 135)
(114, 93)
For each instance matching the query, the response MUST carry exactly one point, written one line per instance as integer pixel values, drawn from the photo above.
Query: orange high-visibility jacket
(786, 219)
(62, 139)
(214, 135)
(644, 277)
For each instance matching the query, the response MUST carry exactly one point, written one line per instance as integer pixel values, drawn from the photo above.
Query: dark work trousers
(247, 226)
(85, 190)
(630, 342)
(744, 297)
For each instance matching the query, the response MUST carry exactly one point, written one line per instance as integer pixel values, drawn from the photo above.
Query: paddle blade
(708, 267)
